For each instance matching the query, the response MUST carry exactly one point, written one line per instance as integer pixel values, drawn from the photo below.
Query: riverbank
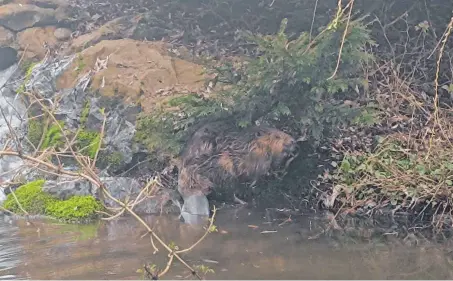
(374, 130)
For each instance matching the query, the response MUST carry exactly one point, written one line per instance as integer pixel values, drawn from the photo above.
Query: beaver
(219, 152)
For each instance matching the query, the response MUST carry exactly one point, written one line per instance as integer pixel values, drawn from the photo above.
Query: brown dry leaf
(253, 226)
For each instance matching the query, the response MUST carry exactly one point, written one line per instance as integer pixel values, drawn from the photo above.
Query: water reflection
(246, 246)
(10, 248)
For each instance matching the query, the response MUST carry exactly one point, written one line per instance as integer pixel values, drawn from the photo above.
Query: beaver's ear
(259, 133)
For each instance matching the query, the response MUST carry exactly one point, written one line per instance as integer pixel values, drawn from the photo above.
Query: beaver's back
(220, 152)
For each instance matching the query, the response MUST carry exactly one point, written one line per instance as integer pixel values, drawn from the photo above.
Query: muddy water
(249, 244)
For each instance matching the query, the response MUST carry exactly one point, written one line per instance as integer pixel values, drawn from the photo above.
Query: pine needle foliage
(290, 83)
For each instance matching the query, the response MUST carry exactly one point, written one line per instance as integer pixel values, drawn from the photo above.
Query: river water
(249, 244)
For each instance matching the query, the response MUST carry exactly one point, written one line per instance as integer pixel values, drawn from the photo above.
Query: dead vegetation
(402, 162)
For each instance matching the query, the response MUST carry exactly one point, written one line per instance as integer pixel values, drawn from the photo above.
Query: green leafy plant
(85, 112)
(204, 269)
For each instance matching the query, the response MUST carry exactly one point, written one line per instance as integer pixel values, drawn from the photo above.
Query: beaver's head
(280, 145)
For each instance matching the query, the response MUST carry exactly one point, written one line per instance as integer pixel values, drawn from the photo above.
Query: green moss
(53, 136)
(36, 202)
(35, 131)
(31, 198)
(75, 208)
(88, 142)
(158, 135)
(80, 64)
(114, 158)
(85, 113)
(27, 68)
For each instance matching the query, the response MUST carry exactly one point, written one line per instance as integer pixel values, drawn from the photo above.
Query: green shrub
(291, 83)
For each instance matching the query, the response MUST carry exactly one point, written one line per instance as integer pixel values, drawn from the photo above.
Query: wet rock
(35, 41)
(62, 34)
(8, 57)
(18, 17)
(6, 37)
(15, 112)
(66, 188)
(120, 127)
(197, 205)
(120, 188)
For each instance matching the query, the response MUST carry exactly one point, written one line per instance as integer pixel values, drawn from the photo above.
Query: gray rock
(123, 188)
(62, 34)
(120, 123)
(120, 188)
(2, 196)
(18, 17)
(196, 205)
(66, 188)
(8, 57)
(14, 111)
(194, 219)
(6, 37)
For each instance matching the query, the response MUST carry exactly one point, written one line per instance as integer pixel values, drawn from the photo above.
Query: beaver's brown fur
(219, 153)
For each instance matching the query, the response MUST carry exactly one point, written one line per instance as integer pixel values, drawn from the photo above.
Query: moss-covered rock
(31, 198)
(52, 135)
(75, 208)
(37, 202)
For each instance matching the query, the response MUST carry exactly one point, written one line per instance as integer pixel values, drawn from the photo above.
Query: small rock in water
(196, 205)
(8, 57)
(62, 34)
